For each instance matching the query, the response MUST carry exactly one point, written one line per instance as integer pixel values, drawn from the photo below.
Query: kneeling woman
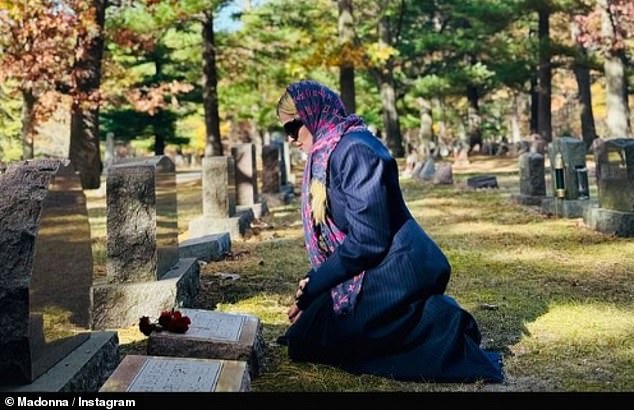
(373, 302)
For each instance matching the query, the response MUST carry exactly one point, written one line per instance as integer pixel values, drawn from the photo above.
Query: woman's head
(293, 125)
(309, 110)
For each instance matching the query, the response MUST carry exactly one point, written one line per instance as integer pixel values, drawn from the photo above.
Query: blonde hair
(318, 196)
(286, 105)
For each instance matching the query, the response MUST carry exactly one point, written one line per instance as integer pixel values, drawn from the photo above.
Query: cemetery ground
(556, 298)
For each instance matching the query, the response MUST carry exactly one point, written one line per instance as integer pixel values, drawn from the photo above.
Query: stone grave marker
(214, 335)
(144, 271)
(177, 374)
(573, 153)
(482, 181)
(218, 215)
(615, 174)
(573, 156)
(444, 174)
(46, 270)
(615, 180)
(532, 179)
(271, 177)
(247, 197)
(142, 219)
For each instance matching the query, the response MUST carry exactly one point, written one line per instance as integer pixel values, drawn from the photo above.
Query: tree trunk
(439, 109)
(426, 133)
(158, 126)
(213, 146)
(584, 95)
(391, 122)
(346, 67)
(28, 123)
(618, 122)
(516, 134)
(534, 102)
(474, 118)
(84, 120)
(544, 123)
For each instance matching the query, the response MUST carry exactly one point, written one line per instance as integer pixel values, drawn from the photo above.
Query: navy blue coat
(402, 325)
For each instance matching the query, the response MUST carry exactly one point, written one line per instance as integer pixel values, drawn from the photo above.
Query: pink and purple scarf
(323, 113)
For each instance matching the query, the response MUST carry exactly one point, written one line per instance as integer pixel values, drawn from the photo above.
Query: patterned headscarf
(323, 113)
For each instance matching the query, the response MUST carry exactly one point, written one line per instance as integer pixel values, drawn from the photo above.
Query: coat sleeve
(363, 177)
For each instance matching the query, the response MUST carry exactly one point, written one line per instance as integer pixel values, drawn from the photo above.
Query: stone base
(85, 369)
(117, 305)
(527, 200)
(609, 221)
(177, 374)
(277, 199)
(236, 226)
(565, 208)
(214, 335)
(207, 248)
(259, 209)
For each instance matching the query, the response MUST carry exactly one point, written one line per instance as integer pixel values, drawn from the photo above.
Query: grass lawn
(555, 297)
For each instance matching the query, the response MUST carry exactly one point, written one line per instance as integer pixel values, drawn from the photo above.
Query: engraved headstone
(270, 169)
(444, 174)
(573, 153)
(615, 174)
(532, 179)
(219, 210)
(428, 171)
(144, 271)
(246, 177)
(142, 219)
(231, 186)
(286, 176)
(216, 187)
(45, 271)
(214, 335)
(177, 374)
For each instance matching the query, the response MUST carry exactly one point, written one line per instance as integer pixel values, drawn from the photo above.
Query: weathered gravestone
(482, 181)
(218, 214)
(144, 272)
(271, 177)
(172, 374)
(270, 169)
(532, 179)
(214, 335)
(46, 271)
(615, 180)
(444, 174)
(207, 248)
(247, 181)
(428, 170)
(573, 156)
(287, 179)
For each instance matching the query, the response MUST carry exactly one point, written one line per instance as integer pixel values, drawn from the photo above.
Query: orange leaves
(133, 40)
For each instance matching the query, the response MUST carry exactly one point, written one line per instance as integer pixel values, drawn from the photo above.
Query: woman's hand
(294, 312)
(300, 288)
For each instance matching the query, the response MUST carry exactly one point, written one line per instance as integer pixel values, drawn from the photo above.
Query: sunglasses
(292, 128)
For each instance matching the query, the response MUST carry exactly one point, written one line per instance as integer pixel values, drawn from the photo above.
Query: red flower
(179, 325)
(165, 318)
(145, 326)
(172, 321)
